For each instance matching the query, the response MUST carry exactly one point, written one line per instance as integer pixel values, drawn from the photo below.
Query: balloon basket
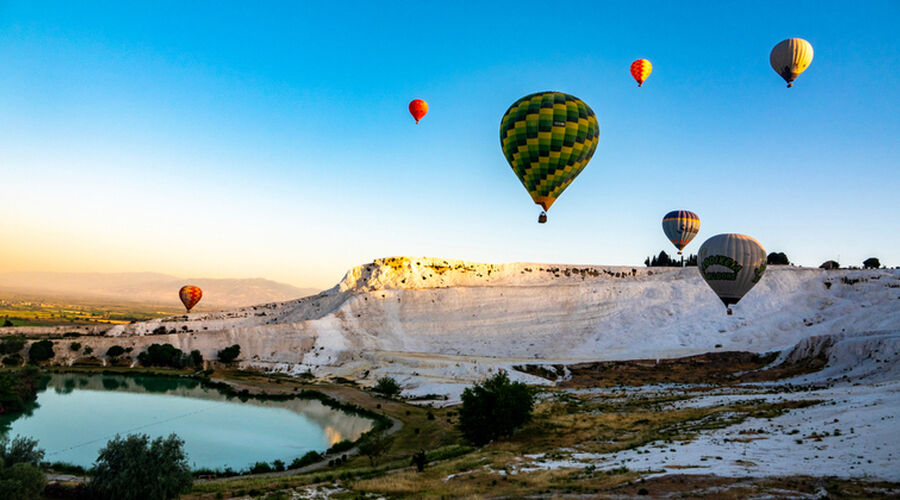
(542, 218)
(729, 311)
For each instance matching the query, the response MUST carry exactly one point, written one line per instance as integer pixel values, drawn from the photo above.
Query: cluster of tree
(494, 408)
(870, 263)
(778, 259)
(135, 468)
(18, 388)
(387, 387)
(229, 354)
(167, 355)
(20, 472)
(41, 351)
(130, 468)
(10, 349)
(663, 260)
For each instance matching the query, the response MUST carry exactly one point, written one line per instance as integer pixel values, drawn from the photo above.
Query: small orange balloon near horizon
(640, 70)
(190, 295)
(418, 109)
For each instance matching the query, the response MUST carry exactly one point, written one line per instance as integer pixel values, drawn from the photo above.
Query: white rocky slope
(435, 324)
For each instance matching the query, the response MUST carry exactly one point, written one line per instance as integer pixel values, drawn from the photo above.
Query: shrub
(278, 465)
(7, 322)
(779, 259)
(21, 450)
(75, 346)
(71, 335)
(311, 457)
(134, 468)
(494, 408)
(21, 481)
(229, 354)
(163, 355)
(88, 350)
(12, 345)
(260, 468)
(114, 351)
(340, 446)
(196, 358)
(41, 351)
(871, 263)
(374, 445)
(12, 360)
(387, 386)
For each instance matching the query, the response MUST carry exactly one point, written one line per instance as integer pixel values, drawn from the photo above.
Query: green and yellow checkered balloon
(548, 138)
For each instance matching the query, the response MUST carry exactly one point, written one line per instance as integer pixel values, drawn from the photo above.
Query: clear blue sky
(272, 139)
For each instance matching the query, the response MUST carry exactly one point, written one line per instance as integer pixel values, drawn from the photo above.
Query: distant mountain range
(150, 288)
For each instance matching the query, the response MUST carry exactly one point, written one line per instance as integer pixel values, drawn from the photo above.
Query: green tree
(134, 468)
(229, 354)
(387, 386)
(20, 473)
(778, 259)
(12, 345)
(41, 351)
(164, 355)
(114, 351)
(494, 408)
(197, 358)
(20, 450)
(21, 481)
(374, 445)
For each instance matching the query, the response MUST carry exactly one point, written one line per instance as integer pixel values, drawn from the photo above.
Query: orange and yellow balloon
(640, 70)
(418, 109)
(190, 295)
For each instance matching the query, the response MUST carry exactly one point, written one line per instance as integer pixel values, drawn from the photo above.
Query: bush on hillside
(12, 345)
(311, 457)
(41, 351)
(494, 408)
(114, 351)
(871, 263)
(663, 260)
(387, 386)
(778, 259)
(164, 355)
(229, 354)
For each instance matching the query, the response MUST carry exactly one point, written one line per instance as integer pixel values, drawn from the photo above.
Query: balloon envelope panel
(680, 227)
(548, 138)
(731, 264)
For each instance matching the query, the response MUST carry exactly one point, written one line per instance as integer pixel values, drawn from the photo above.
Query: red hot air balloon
(418, 109)
(190, 295)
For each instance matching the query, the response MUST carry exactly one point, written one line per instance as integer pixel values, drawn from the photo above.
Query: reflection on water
(75, 415)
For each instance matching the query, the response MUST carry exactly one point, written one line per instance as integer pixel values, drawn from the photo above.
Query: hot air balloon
(731, 264)
(790, 58)
(640, 70)
(190, 295)
(548, 138)
(418, 108)
(680, 227)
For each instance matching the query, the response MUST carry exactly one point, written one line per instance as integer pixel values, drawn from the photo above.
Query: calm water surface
(77, 414)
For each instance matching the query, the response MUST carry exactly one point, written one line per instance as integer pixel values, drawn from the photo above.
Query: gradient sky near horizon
(272, 139)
